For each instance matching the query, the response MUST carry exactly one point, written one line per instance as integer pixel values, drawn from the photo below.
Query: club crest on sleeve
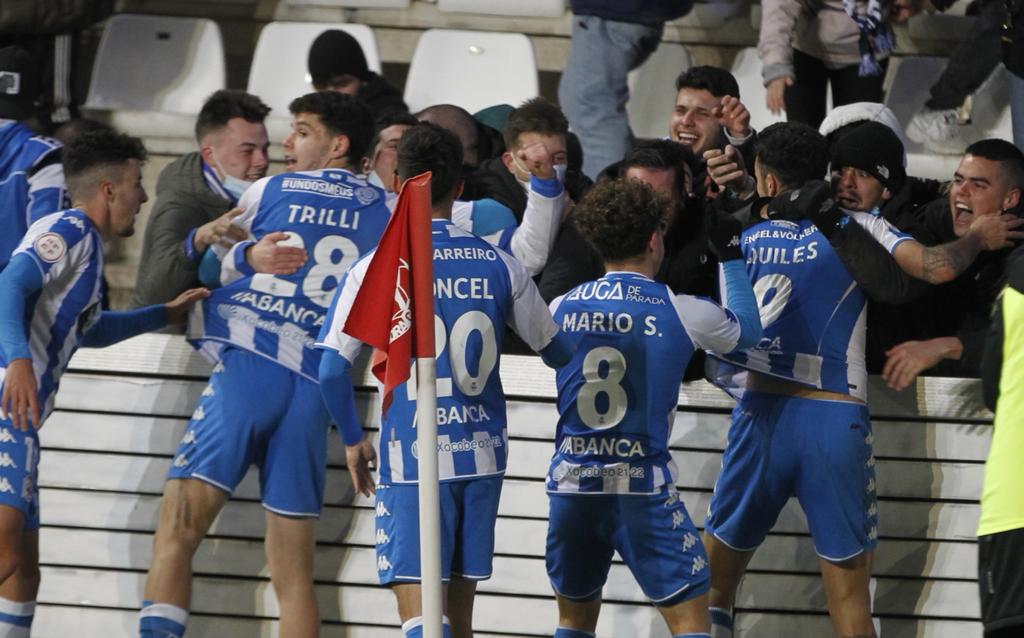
(50, 247)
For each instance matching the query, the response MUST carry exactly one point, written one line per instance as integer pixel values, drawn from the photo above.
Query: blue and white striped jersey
(69, 253)
(812, 310)
(31, 182)
(478, 289)
(337, 217)
(617, 397)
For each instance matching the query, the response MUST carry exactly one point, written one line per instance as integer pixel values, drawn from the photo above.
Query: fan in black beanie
(337, 63)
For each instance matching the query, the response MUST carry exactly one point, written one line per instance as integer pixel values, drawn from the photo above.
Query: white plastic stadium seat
(652, 90)
(279, 71)
(530, 8)
(156, 63)
(908, 84)
(472, 69)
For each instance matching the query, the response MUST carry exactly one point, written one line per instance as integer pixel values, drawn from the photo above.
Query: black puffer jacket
(637, 11)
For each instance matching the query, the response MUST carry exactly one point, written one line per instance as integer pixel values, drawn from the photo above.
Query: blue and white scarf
(876, 36)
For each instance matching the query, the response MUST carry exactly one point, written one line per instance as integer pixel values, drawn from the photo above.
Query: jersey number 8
(608, 385)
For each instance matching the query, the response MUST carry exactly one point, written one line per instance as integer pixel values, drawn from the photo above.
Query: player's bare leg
(688, 617)
(848, 590)
(290, 544)
(727, 569)
(580, 615)
(459, 608)
(187, 510)
(410, 601)
(19, 557)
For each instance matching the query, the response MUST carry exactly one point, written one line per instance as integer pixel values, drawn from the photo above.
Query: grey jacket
(819, 28)
(183, 201)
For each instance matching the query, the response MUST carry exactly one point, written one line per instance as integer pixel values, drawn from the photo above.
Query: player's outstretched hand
(179, 307)
(997, 231)
(727, 170)
(20, 399)
(537, 159)
(907, 360)
(733, 116)
(220, 231)
(361, 458)
(723, 234)
(272, 255)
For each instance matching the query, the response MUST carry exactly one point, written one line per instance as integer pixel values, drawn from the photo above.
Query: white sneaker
(938, 131)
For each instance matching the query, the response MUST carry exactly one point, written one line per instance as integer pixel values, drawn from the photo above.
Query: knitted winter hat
(335, 53)
(875, 149)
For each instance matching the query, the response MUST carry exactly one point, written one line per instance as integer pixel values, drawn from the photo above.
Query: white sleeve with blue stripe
(880, 228)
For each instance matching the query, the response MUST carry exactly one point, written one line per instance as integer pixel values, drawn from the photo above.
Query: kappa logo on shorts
(6, 436)
(190, 437)
(382, 537)
(382, 511)
(873, 534)
(673, 498)
(870, 463)
(5, 486)
(698, 565)
(7, 461)
(50, 247)
(873, 510)
(219, 367)
(383, 564)
(180, 461)
(871, 486)
(27, 489)
(199, 414)
(208, 391)
(689, 541)
(678, 518)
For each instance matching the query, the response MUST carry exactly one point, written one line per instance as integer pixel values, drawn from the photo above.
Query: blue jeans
(593, 91)
(1016, 83)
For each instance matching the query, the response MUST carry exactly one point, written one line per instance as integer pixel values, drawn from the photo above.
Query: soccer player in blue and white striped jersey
(260, 329)
(31, 175)
(478, 289)
(611, 482)
(50, 296)
(801, 427)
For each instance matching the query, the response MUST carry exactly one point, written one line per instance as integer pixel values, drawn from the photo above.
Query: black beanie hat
(19, 83)
(335, 53)
(875, 149)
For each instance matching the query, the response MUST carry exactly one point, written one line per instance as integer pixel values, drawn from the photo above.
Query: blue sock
(565, 632)
(413, 628)
(161, 620)
(16, 618)
(721, 622)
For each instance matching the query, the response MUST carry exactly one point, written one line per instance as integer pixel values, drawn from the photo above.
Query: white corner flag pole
(430, 499)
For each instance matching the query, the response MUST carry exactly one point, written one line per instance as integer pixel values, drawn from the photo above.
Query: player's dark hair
(617, 217)
(341, 114)
(98, 150)
(535, 115)
(1010, 158)
(428, 147)
(716, 81)
(660, 155)
(387, 121)
(228, 104)
(794, 152)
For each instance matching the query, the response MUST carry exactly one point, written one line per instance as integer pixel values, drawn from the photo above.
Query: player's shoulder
(51, 237)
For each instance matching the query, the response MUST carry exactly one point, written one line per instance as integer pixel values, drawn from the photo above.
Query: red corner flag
(394, 309)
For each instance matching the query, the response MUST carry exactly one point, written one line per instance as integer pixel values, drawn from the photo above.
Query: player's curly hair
(99, 150)
(794, 152)
(428, 147)
(618, 217)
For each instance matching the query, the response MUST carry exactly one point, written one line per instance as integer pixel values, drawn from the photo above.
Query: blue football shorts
(819, 451)
(255, 411)
(653, 534)
(469, 509)
(19, 471)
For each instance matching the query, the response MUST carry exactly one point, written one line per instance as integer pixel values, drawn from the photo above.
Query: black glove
(812, 201)
(723, 234)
